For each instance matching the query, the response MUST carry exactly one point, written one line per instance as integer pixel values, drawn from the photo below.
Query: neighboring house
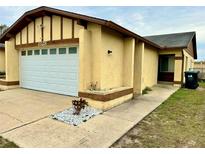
(2, 58)
(67, 53)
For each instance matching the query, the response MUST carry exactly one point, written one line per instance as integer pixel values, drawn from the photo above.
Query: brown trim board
(9, 83)
(27, 33)
(42, 29)
(34, 30)
(177, 58)
(61, 27)
(177, 82)
(21, 37)
(182, 73)
(54, 42)
(51, 28)
(73, 26)
(106, 97)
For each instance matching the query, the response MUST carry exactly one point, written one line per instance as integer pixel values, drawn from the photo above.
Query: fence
(201, 73)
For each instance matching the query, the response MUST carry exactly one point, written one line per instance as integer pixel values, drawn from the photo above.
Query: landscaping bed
(178, 122)
(68, 117)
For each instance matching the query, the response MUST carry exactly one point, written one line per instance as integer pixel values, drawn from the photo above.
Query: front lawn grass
(178, 122)
(4, 143)
(202, 84)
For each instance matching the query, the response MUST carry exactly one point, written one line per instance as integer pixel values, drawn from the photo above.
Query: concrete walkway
(100, 131)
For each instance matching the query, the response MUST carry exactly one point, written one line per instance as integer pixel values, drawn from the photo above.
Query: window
(30, 52)
(52, 51)
(62, 50)
(44, 51)
(167, 64)
(23, 53)
(36, 52)
(72, 50)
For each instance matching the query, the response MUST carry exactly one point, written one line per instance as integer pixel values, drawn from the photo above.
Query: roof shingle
(172, 40)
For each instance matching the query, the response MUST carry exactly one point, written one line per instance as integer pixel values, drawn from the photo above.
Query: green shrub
(145, 90)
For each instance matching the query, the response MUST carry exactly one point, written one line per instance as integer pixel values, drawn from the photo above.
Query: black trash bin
(191, 79)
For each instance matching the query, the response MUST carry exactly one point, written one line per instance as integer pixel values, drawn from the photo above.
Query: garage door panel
(51, 73)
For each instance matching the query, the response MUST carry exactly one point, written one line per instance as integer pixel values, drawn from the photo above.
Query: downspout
(182, 73)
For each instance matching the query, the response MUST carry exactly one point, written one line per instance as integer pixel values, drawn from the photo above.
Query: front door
(166, 68)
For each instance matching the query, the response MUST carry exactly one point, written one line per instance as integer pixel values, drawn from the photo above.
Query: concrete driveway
(22, 106)
(24, 119)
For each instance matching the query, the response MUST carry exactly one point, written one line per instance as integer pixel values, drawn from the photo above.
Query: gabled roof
(175, 40)
(41, 11)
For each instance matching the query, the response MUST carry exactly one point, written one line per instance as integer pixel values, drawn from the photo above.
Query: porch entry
(166, 68)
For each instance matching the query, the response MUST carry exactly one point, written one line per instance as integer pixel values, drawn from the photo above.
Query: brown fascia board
(47, 10)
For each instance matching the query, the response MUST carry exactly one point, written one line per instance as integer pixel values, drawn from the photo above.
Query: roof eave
(103, 22)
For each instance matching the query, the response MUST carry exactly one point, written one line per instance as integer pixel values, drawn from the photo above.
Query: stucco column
(96, 52)
(138, 67)
(178, 64)
(90, 57)
(84, 59)
(128, 67)
(11, 61)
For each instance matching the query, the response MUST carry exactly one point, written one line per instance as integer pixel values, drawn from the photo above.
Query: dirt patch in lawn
(178, 122)
(4, 143)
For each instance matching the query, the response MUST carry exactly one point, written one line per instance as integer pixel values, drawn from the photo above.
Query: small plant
(145, 90)
(78, 105)
(93, 86)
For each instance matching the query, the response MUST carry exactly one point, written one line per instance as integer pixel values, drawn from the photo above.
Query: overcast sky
(141, 20)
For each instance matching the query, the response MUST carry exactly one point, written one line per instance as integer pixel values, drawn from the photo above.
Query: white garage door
(52, 70)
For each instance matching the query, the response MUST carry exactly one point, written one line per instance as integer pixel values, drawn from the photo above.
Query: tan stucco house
(62, 52)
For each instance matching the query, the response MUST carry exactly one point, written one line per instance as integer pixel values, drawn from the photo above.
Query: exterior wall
(108, 71)
(24, 35)
(188, 62)
(30, 33)
(58, 22)
(18, 39)
(2, 60)
(150, 69)
(77, 28)
(96, 54)
(128, 62)
(138, 67)
(47, 28)
(56, 28)
(112, 70)
(67, 26)
(186, 58)
(190, 49)
(177, 63)
(11, 61)
(38, 22)
(85, 59)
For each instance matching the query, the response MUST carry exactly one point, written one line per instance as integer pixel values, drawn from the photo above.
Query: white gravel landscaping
(68, 117)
